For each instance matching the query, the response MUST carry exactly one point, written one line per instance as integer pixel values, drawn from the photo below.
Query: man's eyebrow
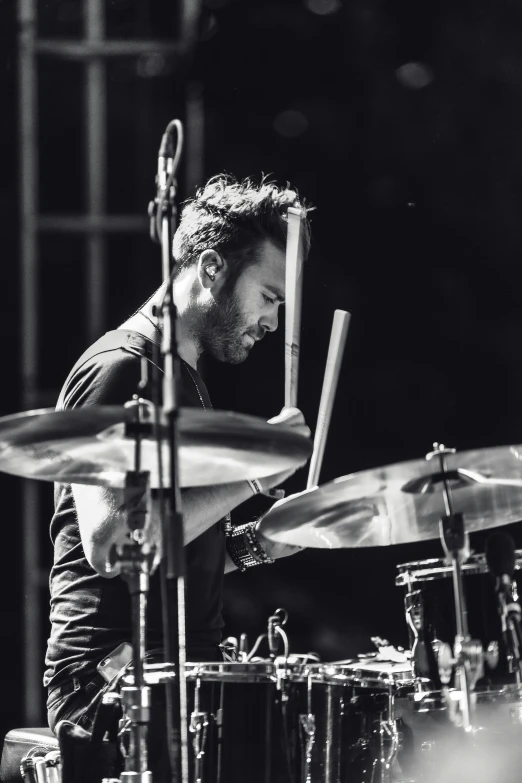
(276, 292)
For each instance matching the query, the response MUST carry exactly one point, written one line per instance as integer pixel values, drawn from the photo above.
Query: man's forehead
(272, 268)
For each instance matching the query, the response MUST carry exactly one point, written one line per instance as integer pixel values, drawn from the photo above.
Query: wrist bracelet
(255, 486)
(244, 548)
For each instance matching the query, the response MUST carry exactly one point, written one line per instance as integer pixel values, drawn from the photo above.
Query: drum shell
(351, 716)
(429, 587)
(255, 722)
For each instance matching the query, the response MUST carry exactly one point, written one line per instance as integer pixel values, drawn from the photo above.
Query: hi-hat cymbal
(402, 503)
(90, 446)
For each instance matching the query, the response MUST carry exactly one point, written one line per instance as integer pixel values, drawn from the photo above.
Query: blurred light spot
(290, 123)
(209, 27)
(149, 66)
(323, 7)
(414, 76)
(411, 204)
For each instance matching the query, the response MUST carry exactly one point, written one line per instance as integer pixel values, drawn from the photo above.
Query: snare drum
(284, 722)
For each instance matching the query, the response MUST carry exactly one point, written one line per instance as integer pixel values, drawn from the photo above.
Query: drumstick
(294, 288)
(341, 321)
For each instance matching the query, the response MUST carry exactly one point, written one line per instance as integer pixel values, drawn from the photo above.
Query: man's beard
(223, 329)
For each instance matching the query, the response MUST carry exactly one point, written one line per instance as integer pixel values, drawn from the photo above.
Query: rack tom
(281, 722)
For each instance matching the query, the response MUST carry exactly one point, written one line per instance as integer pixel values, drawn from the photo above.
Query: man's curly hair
(232, 217)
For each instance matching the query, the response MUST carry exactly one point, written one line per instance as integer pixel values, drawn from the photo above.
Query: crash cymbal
(90, 446)
(402, 503)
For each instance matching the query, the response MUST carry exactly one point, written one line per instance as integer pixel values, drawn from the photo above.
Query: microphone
(166, 155)
(500, 558)
(169, 156)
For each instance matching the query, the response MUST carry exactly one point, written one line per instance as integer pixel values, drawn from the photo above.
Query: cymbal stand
(133, 561)
(467, 659)
(163, 214)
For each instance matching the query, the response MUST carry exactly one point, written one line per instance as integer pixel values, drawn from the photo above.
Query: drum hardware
(390, 736)
(275, 629)
(467, 659)
(500, 557)
(423, 652)
(133, 561)
(39, 768)
(53, 764)
(307, 725)
(492, 655)
(242, 652)
(198, 727)
(388, 652)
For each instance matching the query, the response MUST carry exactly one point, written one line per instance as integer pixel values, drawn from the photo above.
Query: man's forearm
(202, 507)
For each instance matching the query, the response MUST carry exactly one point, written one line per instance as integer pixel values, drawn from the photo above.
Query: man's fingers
(290, 417)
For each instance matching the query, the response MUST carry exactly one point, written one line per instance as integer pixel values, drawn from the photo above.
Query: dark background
(402, 123)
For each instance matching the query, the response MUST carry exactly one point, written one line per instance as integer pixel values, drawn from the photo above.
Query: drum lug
(492, 655)
(198, 727)
(307, 723)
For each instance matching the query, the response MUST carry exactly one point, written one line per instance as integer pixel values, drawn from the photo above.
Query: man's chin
(236, 356)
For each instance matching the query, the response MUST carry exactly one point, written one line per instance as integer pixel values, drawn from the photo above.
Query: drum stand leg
(133, 561)
(467, 660)
(198, 728)
(307, 725)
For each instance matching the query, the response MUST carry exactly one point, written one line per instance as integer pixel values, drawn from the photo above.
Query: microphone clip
(275, 623)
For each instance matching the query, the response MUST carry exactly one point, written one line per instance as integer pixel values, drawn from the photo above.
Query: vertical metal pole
(28, 162)
(96, 163)
(194, 138)
(189, 13)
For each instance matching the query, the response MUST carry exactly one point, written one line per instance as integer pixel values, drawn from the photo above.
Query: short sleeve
(110, 378)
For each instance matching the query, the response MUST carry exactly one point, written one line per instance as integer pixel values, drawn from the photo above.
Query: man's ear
(211, 268)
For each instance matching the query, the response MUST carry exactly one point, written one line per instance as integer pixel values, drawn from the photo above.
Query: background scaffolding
(92, 49)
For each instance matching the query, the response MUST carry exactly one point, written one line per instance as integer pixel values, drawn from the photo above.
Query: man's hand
(289, 417)
(274, 549)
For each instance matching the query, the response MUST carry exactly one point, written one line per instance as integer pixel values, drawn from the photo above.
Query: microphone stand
(162, 212)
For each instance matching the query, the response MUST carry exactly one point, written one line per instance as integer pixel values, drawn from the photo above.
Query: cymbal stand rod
(455, 541)
(133, 561)
(467, 658)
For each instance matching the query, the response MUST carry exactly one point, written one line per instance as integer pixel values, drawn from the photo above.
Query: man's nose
(269, 322)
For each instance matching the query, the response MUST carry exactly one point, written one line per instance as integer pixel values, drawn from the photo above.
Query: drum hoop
(440, 568)
(265, 672)
(508, 693)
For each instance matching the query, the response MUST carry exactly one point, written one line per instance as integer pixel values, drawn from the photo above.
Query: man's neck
(188, 347)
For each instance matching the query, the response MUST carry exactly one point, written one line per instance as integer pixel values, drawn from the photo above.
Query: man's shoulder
(107, 373)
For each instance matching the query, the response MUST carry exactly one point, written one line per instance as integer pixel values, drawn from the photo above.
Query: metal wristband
(243, 547)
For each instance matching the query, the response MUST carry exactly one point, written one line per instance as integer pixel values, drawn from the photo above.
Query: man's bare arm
(103, 513)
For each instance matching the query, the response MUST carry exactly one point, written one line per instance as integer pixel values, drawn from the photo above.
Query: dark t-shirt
(91, 615)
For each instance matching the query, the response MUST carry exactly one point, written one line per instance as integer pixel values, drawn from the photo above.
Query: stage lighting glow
(290, 123)
(414, 76)
(323, 7)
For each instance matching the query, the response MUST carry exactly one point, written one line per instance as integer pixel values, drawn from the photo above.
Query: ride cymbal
(91, 445)
(402, 503)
